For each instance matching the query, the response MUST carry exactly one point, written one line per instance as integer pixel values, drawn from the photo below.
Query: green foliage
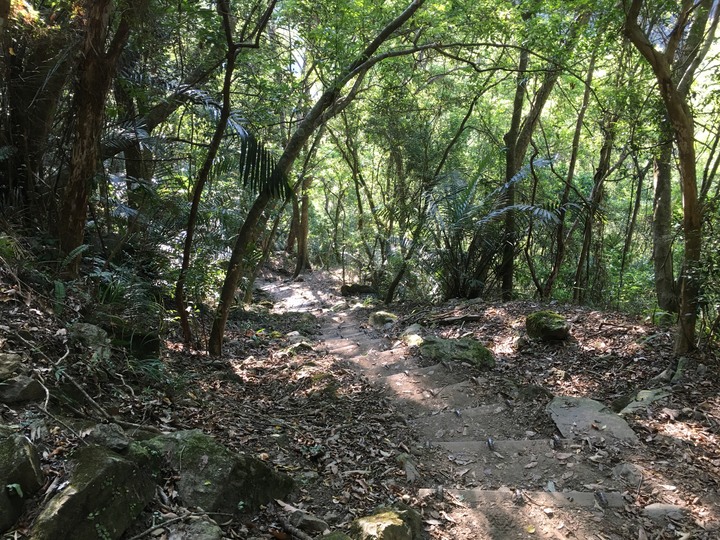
(59, 298)
(466, 232)
(15, 489)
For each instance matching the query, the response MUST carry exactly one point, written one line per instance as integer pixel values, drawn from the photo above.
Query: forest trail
(488, 461)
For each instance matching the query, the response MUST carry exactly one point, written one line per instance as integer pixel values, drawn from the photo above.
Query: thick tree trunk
(673, 88)
(96, 70)
(303, 257)
(512, 160)
(517, 141)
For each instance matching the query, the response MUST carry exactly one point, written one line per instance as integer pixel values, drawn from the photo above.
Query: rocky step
(433, 395)
(512, 514)
(484, 498)
(531, 463)
(476, 423)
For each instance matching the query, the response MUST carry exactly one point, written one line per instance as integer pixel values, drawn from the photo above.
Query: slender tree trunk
(596, 196)
(633, 212)
(204, 174)
(569, 179)
(325, 108)
(33, 81)
(292, 237)
(662, 256)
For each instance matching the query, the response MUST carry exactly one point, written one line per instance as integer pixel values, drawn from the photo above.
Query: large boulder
(105, 494)
(21, 388)
(20, 475)
(467, 350)
(394, 523)
(547, 326)
(215, 478)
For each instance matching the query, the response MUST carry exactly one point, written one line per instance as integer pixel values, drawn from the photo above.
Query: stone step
(530, 463)
(548, 499)
(432, 394)
(343, 347)
(475, 423)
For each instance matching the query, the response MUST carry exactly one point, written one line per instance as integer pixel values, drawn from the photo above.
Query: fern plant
(466, 231)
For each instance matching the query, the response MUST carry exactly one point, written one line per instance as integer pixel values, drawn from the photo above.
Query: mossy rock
(105, 494)
(467, 350)
(412, 335)
(20, 475)
(216, 479)
(547, 326)
(389, 523)
(379, 319)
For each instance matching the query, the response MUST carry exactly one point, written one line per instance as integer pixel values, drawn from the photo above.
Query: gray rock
(583, 417)
(396, 523)
(458, 350)
(308, 523)
(547, 326)
(19, 389)
(644, 398)
(93, 337)
(379, 319)
(216, 479)
(20, 475)
(199, 529)
(663, 511)
(9, 364)
(336, 535)
(630, 473)
(412, 335)
(110, 436)
(105, 494)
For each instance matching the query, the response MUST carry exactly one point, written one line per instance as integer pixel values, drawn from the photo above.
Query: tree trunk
(204, 174)
(291, 242)
(34, 80)
(507, 266)
(569, 179)
(303, 258)
(662, 256)
(96, 70)
(633, 212)
(596, 196)
(684, 57)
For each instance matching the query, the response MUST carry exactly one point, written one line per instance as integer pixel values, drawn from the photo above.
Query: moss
(381, 318)
(466, 350)
(547, 325)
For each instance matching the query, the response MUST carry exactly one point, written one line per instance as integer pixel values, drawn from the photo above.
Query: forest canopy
(432, 149)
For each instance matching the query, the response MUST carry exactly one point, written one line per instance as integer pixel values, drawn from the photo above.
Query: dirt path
(489, 461)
